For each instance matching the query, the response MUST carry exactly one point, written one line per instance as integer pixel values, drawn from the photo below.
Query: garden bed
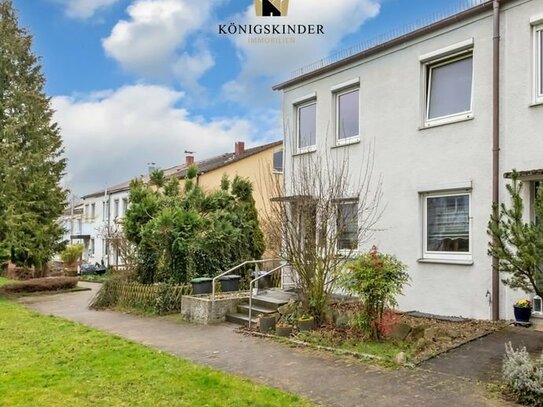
(409, 339)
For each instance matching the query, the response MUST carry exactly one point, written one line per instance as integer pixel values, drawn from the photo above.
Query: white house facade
(424, 103)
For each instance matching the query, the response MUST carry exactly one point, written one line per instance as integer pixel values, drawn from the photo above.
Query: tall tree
(31, 163)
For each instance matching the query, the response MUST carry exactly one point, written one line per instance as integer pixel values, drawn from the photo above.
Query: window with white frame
(125, 205)
(278, 160)
(115, 209)
(535, 190)
(307, 125)
(449, 89)
(539, 63)
(93, 210)
(348, 115)
(447, 226)
(347, 225)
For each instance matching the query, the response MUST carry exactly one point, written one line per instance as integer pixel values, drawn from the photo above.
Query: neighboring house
(103, 210)
(425, 102)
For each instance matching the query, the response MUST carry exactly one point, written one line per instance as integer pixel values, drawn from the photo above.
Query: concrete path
(321, 377)
(482, 358)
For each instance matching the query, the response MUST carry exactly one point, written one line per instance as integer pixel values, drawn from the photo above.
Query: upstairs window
(307, 126)
(125, 205)
(115, 208)
(449, 89)
(348, 115)
(278, 161)
(93, 211)
(347, 225)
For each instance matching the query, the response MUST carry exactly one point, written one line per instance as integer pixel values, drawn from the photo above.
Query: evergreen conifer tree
(31, 163)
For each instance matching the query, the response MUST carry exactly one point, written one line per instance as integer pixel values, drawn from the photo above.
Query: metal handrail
(251, 289)
(234, 269)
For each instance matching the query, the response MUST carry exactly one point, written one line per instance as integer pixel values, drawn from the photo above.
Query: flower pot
(283, 330)
(202, 285)
(266, 323)
(306, 324)
(522, 314)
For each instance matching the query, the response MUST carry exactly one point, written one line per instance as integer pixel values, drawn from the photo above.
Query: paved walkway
(323, 378)
(482, 358)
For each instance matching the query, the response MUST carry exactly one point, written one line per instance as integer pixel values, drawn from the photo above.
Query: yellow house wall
(258, 168)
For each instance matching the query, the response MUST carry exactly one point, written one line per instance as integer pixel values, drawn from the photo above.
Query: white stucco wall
(411, 160)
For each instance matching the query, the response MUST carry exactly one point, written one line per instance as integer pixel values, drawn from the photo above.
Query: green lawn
(47, 361)
(4, 281)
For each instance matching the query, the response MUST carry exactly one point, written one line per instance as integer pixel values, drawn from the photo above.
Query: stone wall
(201, 310)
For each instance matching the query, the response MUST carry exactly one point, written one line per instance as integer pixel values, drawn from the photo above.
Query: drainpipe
(496, 153)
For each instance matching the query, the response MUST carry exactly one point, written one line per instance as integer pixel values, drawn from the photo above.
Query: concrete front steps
(266, 302)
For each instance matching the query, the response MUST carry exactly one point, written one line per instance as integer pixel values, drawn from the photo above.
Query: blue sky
(138, 81)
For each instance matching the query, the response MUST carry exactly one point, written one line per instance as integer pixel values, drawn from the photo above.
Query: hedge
(40, 285)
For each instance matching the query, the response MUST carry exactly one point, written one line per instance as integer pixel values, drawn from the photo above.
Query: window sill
(538, 102)
(445, 122)
(447, 261)
(305, 151)
(347, 142)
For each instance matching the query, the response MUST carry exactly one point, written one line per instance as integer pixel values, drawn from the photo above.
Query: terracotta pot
(283, 330)
(306, 325)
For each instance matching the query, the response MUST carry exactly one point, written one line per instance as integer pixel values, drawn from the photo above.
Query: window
(93, 210)
(125, 205)
(449, 90)
(278, 160)
(536, 187)
(347, 225)
(447, 229)
(115, 208)
(87, 210)
(307, 126)
(348, 115)
(92, 246)
(539, 63)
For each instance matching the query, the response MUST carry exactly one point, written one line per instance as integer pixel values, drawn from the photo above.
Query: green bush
(179, 236)
(523, 376)
(71, 254)
(376, 278)
(40, 284)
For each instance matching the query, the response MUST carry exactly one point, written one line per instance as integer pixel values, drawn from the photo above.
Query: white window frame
(349, 201)
(429, 66)
(538, 69)
(337, 95)
(298, 107)
(445, 256)
(275, 171)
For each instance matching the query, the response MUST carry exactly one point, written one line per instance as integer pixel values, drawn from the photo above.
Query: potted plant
(283, 327)
(266, 323)
(523, 310)
(306, 322)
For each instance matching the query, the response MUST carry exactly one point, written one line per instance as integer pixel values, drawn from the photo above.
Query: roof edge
(473, 11)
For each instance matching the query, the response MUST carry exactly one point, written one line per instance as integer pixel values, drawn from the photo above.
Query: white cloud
(152, 42)
(109, 137)
(84, 8)
(274, 61)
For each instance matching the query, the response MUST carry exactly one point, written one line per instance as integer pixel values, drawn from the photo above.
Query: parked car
(90, 269)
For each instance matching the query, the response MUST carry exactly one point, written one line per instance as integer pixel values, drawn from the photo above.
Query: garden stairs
(266, 302)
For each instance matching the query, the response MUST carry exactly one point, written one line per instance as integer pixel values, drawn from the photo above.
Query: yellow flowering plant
(524, 303)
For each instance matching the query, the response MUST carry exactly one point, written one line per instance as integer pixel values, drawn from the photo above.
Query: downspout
(496, 153)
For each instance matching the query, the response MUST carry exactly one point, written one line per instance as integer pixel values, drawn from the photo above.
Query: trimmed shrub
(40, 285)
(523, 376)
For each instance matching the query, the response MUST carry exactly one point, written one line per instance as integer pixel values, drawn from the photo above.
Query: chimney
(189, 160)
(151, 167)
(239, 148)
